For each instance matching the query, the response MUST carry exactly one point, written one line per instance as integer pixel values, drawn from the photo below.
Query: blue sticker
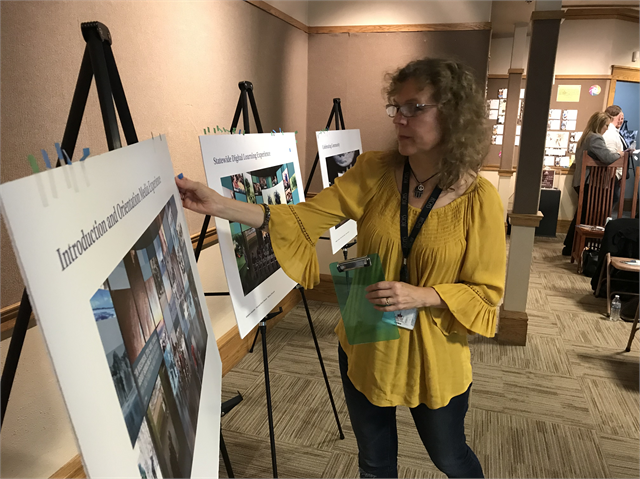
(85, 152)
(46, 159)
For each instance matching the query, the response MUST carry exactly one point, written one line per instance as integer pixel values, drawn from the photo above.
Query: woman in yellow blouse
(454, 273)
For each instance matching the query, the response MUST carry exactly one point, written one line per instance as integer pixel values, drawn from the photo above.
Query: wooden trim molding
(547, 15)
(264, 6)
(622, 73)
(515, 71)
(506, 172)
(210, 238)
(428, 27)
(503, 76)
(602, 13)
(523, 219)
(431, 27)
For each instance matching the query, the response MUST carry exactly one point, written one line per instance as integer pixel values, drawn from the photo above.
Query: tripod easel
(336, 113)
(246, 93)
(98, 61)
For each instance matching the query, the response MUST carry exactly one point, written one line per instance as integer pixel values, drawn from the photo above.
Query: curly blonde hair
(461, 108)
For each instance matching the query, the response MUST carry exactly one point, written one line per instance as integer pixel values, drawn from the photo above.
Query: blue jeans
(441, 431)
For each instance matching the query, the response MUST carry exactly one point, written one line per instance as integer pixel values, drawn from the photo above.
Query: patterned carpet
(566, 405)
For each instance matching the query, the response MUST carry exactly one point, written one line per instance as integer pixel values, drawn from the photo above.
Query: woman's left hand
(396, 295)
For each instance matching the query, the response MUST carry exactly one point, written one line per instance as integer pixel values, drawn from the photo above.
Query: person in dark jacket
(593, 143)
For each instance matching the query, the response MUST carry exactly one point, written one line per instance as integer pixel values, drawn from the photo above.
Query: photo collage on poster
(254, 254)
(561, 138)
(496, 110)
(338, 165)
(154, 337)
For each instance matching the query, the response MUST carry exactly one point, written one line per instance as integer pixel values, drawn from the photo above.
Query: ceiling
(505, 14)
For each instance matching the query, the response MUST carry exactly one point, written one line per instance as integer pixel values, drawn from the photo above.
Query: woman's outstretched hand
(200, 198)
(197, 197)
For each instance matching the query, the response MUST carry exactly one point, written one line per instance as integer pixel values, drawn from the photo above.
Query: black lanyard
(406, 239)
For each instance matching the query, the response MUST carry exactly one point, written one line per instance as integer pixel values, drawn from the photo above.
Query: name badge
(406, 318)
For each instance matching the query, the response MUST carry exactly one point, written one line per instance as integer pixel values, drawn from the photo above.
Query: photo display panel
(338, 151)
(256, 168)
(116, 291)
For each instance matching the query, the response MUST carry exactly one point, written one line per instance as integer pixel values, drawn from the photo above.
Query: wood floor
(566, 405)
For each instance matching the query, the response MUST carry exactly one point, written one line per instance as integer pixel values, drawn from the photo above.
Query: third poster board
(338, 151)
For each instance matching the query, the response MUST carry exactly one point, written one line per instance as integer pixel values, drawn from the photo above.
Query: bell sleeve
(295, 229)
(473, 300)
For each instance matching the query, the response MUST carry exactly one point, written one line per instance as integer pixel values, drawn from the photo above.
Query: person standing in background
(615, 142)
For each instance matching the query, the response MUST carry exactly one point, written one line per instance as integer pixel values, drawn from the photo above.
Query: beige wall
(578, 53)
(180, 64)
(333, 13)
(352, 67)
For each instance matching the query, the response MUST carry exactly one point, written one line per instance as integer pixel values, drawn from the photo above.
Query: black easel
(246, 93)
(98, 61)
(336, 112)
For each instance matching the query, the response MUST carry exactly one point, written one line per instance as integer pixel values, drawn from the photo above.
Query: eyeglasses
(408, 110)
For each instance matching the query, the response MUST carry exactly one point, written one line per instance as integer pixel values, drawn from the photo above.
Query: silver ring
(387, 301)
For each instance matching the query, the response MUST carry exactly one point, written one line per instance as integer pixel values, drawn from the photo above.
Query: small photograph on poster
(522, 93)
(154, 337)
(549, 161)
(493, 114)
(255, 259)
(501, 119)
(554, 125)
(496, 139)
(498, 129)
(518, 129)
(565, 161)
(503, 107)
(557, 139)
(572, 147)
(568, 125)
(517, 140)
(494, 104)
(575, 136)
(338, 165)
(555, 114)
(570, 114)
(502, 93)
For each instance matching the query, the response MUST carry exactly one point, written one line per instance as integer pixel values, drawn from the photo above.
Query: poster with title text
(338, 151)
(256, 169)
(116, 292)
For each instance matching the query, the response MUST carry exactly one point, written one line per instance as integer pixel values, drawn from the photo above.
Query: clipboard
(362, 322)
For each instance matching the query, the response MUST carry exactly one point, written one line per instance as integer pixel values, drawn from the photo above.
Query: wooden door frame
(621, 73)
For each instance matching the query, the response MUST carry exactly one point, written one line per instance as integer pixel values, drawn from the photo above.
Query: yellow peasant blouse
(460, 252)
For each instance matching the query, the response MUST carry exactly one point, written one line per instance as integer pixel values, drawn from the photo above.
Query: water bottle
(616, 304)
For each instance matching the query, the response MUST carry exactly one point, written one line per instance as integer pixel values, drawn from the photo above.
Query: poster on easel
(116, 292)
(256, 168)
(338, 151)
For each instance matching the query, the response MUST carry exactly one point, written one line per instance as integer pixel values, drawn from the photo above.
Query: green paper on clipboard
(362, 322)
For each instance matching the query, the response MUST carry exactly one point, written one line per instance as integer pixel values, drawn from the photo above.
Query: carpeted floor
(566, 405)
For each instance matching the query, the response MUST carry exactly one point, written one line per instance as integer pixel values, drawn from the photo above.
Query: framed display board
(256, 168)
(338, 151)
(107, 260)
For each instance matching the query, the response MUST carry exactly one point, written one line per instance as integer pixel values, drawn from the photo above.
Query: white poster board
(105, 253)
(257, 168)
(338, 151)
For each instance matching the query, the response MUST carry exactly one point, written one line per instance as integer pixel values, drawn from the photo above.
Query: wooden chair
(599, 190)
